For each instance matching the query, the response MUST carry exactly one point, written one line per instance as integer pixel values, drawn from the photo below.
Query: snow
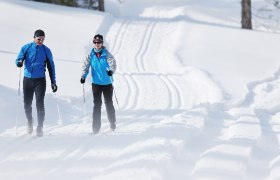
(198, 96)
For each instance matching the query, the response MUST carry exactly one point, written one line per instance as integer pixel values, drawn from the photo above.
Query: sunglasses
(40, 39)
(97, 42)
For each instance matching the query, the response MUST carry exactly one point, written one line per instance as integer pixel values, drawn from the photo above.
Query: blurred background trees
(89, 4)
(255, 14)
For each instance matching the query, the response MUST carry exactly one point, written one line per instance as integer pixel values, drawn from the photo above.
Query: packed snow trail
(174, 120)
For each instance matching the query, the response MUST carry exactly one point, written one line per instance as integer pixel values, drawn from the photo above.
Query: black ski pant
(37, 86)
(107, 91)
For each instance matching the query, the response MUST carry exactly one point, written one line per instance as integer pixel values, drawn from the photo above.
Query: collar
(97, 51)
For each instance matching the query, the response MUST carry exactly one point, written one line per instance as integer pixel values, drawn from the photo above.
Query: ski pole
(84, 121)
(18, 100)
(59, 122)
(114, 89)
(116, 97)
(115, 93)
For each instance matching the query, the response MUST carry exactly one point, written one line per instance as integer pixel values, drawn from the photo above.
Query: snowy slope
(198, 97)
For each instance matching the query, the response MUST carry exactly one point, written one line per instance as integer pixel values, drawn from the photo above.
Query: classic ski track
(180, 91)
(173, 88)
(118, 40)
(180, 94)
(124, 30)
(169, 89)
(129, 95)
(146, 48)
(134, 100)
(144, 42)
(130, 101)
(113, 44)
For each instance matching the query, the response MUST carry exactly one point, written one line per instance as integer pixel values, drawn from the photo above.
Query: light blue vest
(99, 68)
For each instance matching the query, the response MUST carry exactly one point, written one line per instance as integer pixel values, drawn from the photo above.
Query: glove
(19, 64)
(54, 88)
(110, 73)
(82, 80)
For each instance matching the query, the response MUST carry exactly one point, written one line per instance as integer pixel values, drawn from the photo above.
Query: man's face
(39, 40)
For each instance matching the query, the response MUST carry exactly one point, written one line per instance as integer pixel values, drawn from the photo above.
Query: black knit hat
(39, 33)
(98, 38)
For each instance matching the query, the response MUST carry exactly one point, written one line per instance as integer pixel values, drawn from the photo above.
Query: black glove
(19, 64)
(82, 80)
(54, 88)
(110, 73)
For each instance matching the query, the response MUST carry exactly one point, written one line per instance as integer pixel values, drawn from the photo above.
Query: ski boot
(30, 126)
(39, 131)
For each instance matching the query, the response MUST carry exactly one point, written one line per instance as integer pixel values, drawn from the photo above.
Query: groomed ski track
(164, 106)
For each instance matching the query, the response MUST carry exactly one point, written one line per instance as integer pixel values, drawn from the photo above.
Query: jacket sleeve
(111, 62)
(51, 66)
(21, 54)
(85, 67)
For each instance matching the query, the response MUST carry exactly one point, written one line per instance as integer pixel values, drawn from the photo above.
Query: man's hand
(20, 64)
(54, 88)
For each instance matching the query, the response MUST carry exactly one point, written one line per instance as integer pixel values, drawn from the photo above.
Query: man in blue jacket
(103, 66)
(35, 57)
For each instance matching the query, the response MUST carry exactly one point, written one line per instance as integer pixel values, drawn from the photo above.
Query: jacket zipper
(34, 60)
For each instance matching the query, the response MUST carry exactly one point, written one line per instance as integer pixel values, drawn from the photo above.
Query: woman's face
(97, 44)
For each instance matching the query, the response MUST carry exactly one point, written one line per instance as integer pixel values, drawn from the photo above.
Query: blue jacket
(36, 58)
(99, 67)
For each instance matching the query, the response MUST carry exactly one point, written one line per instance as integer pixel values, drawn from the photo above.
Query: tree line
(246, 7)
(89, 4)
